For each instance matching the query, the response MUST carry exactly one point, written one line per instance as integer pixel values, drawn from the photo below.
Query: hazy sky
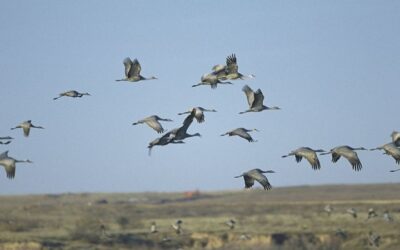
(332, 66)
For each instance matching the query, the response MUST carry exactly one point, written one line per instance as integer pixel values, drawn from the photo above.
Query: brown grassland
(282, 218)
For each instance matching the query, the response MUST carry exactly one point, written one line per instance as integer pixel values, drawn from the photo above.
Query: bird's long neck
(23, 161)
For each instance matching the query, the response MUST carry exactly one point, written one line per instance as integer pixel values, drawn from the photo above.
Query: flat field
(282, 218)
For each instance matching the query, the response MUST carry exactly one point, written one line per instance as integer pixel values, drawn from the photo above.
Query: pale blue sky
(332, 66)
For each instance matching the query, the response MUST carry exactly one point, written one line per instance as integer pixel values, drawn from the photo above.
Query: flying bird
(255, 100)
(9, 164)
(153, 122)
(132, 71)
(390, 149)
(26, 127)
(199, 113)
(210, 79)
(258, 175)
(309, 154)
(70, 93)
(242, 132)
(396, 138)
(348, 153)
(230, 70)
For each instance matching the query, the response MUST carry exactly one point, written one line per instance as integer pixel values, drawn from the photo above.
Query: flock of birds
(221, 74)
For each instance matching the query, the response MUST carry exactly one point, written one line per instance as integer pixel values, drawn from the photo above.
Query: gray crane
(396, 138)
(390, 149)
(70, 93)
(6, 139)
(371, 213)
(176, 135)
(373, 239)
(309, 154)
(242, 132)
(132, 71)
(199, 113)
(230, 70)
(9, 164)
(348, 153)
(210, 79)
(387, 217)
(258, 175)
(153, 122)
(26, 127)
(255, 100)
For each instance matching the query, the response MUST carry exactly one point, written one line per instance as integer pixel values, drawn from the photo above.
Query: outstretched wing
(128, 65)
(249, 94)
(154, 124)
(231, 64)
(10, 171)
(262, 179)
(243, 134)
(258, 99)
(135, 68)
(335, 157)
(248, 181)
(26, 131)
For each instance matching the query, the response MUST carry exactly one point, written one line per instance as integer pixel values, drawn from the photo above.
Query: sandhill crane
(210, 79)
(373, 239)
(230, 70)
(70, 93)
(9, 164)
(177, 226)
(396, 138)
(26, 127)
(180, 133)
(390, 149)
(162, 141)
(176, 135)
(152, 122)
(371, 213)
(132, 71)
(153, 228)
(256, 174)
(309, 154)
(242, 132)
(231, 224)
(6, 139)
(328, 209)
(255, 100)
(348, 153)
(199, 113)
(352, 212)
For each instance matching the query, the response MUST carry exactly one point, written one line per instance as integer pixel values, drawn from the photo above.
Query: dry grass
(283, 218)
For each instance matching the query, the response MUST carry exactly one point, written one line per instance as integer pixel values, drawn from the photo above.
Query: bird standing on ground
(328, 209)
(231, 224)
(371, 213)
(255, 100)
(153, 122)
(199, 113)
(390, 149)
(309, 154)
(387, 217)
(373, 239)
(348, 153)
(132, 71)
(177, 226)
(71, 93)
(153, 227)
(26, 127)
(352, 212)
(242, 132)
(256, 174)
(9, 164)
